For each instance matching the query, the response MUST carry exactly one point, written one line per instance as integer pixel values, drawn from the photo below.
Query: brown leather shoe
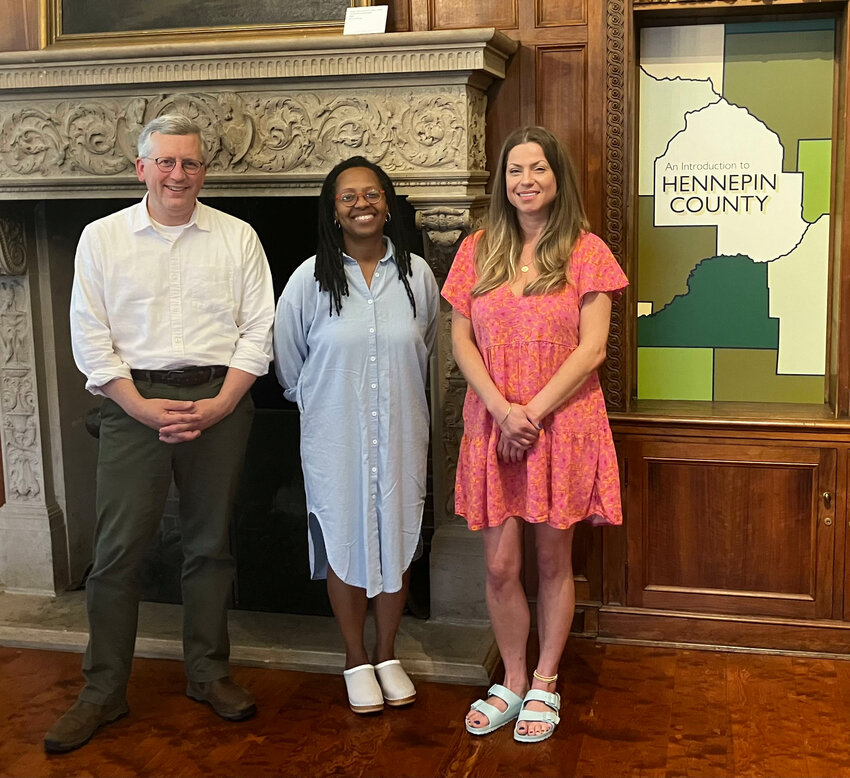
(225, 697)
(77, 726)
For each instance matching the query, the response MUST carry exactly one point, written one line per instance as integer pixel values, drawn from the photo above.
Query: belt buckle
(176, 376)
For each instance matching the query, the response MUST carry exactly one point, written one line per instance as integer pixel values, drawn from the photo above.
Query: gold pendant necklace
(524, 268)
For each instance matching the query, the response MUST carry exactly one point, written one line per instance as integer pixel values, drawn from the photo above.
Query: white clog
(396, 686)
(364, 693)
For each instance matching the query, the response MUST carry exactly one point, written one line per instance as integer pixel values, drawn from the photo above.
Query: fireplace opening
(269, 526)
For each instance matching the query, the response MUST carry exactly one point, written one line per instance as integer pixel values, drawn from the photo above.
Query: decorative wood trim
(615, 190)
(644, 626)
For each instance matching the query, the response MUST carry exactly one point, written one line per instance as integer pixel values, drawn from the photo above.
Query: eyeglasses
(371, 196)
(167, 164)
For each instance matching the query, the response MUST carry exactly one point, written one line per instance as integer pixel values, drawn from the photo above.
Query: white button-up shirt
(141, 300)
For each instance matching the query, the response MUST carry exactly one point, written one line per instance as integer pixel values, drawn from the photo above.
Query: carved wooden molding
(724, 3)
(615, 187)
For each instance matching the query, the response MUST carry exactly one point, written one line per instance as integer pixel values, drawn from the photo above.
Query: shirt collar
(142, 220)
(388, 254)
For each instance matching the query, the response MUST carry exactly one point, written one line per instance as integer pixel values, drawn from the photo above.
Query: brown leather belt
(186, 376)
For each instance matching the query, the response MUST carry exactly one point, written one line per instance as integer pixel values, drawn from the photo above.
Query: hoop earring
(336, 223)
(389, 218)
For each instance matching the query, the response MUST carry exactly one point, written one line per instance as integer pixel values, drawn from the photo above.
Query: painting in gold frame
(93, 22)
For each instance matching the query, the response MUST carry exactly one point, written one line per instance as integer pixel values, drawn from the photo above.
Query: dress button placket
(372, 422)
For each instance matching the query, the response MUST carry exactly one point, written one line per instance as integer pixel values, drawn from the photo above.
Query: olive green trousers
(134, 475)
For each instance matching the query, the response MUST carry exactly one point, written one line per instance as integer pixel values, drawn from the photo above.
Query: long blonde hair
(497, 252)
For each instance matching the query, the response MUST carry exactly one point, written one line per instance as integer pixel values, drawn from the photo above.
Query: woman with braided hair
(353, 332)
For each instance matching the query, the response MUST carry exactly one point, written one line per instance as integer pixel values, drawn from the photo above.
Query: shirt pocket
(209, 287)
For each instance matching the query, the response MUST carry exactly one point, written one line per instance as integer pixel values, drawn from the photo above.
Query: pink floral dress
(570, 474)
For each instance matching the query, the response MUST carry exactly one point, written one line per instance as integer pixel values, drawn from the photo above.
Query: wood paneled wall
(556, 78)
(19, 25)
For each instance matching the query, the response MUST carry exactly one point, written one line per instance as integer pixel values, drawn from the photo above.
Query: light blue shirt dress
(359, 381)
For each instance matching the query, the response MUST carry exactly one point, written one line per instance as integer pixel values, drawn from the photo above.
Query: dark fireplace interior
(269, 529)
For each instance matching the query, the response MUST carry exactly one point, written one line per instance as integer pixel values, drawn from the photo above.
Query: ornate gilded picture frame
(94, 22)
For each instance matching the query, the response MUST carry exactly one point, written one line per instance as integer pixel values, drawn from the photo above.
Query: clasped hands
(179, 421)
(518, 434)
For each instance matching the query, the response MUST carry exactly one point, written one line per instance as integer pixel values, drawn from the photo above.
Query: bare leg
(556, 604)
(508, 608)
(349, 605)
(388, 609)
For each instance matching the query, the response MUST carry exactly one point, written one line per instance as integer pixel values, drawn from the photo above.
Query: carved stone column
(457, 561)
(33, 554)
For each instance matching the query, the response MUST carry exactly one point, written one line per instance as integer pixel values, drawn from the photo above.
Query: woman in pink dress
(532, 297)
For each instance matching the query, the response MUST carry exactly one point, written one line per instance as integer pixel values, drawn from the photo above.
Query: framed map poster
(734, 184)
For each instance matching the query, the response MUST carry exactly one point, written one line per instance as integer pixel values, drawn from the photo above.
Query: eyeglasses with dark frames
(166, 164)
(371, 196)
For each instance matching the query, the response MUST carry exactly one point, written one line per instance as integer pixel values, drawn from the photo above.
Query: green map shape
(726, 307)
(666, 255)
(675, 373)
(748, 375)
(814, 158)
(782, 72)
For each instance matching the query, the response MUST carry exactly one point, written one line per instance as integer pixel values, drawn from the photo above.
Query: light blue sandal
(553, 700)
(496, 718)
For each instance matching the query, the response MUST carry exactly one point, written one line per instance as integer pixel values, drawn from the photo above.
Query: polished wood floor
(628, 711)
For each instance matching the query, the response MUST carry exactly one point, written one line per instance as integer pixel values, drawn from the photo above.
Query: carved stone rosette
(260, 133)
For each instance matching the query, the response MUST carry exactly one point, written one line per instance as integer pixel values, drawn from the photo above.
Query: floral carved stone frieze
(413, 129)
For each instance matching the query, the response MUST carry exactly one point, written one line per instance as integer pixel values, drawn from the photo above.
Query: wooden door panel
(551, 13)
(736, 529)
(454, 14)
(715, 550)
(561, 88)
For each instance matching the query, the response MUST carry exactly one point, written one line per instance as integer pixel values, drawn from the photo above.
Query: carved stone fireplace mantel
(277, 113)
(272, 119)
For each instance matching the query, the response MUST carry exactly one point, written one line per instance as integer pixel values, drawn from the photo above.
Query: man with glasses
(171, 315)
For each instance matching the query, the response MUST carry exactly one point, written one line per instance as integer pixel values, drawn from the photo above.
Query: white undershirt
(169, 231)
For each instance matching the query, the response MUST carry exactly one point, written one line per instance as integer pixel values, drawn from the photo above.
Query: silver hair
(168, 124)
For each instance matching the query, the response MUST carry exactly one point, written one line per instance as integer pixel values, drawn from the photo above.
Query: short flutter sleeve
(457, 289)
(593, 267)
